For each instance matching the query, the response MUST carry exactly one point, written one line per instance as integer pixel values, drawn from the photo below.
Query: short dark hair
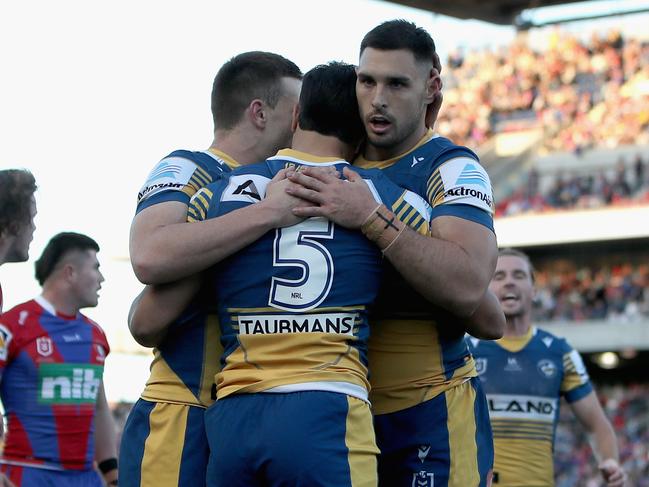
(246, 77)
(401, 34)
(58, 247)
(328, 102)
(509, 252)
(16, 189)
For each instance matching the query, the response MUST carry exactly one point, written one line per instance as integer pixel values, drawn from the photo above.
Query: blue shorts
(295, 439)
(445, 442)
(40, 477)
(163, 445)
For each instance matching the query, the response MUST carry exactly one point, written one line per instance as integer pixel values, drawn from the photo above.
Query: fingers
(321, 173)
(305, 180)
(308, 211)
(307, 194)
(280, 175)
(351, 175)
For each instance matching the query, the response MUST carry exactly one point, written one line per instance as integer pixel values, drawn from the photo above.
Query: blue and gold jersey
(293, 305)
(181, 174)
(413, 357)
(524, 379)
(183, 367)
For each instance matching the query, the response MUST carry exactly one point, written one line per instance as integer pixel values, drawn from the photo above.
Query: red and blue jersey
(51, 369)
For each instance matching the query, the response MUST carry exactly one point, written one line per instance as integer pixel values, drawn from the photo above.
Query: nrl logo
(44, 346)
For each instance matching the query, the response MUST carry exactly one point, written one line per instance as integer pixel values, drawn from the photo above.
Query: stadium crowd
(616, 292)
(628, 408)
(625, 185)
(583, 93)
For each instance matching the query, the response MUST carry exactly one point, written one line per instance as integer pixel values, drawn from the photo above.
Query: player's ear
(433, 84)
(296, 117)
(257, 113)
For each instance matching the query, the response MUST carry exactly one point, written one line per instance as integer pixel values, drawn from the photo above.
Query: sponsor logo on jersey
(69, 383)
(466, 182)
(247, 188)
(338, 323)
(165, 169)
(416, 160)
(509, 406)
(72, 338)
(44, 346)
(171, 173)
(463, 191)
(471, 175)
(423, 479)
(5, 340)
(480, 365)
(547, 367)
(512, 365)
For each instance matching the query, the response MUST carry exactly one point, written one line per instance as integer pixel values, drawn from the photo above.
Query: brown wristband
(382, 227)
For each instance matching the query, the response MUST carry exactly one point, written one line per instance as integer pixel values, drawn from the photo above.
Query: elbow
(144, 269)
(463, 304)
(143, 336)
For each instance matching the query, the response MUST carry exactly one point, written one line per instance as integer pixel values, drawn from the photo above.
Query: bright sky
(93, 94)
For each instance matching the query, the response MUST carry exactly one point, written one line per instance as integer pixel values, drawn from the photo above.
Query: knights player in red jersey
(17, 211)
(51, 365)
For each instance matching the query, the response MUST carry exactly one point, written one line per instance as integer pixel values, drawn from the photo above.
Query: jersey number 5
(298, 247)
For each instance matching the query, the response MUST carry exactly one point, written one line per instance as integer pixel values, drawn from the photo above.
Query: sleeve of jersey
(408, 206)
(460, 187)
(576, 382)
(175, 178)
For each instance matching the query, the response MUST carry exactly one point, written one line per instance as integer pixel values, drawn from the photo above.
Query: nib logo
(248, 189)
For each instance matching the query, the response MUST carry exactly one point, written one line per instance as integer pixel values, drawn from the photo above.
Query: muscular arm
(164, 248)
(451, 268)
(488, 321)
(603, 440)
(156, 307)
(105, 434)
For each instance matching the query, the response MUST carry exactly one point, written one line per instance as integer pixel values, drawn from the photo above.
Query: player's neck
(319, 145)
(517, 326)
(243, 149)
(61, 300)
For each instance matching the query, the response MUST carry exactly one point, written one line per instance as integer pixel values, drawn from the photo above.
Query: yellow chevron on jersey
(408, 367)
(187, 376)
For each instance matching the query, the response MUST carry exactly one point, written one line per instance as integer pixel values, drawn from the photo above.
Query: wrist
(382, 227)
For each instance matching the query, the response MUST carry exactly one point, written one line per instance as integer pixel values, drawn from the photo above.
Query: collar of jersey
(517, 343)
(222, 156)
(49, 307)
(365, 164)
(306, 158)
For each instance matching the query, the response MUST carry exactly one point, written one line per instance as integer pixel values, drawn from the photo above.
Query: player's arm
(603, 440)
(156, 307)
(452, 268)
(105, 439)
(488, 321)
(164, 247)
